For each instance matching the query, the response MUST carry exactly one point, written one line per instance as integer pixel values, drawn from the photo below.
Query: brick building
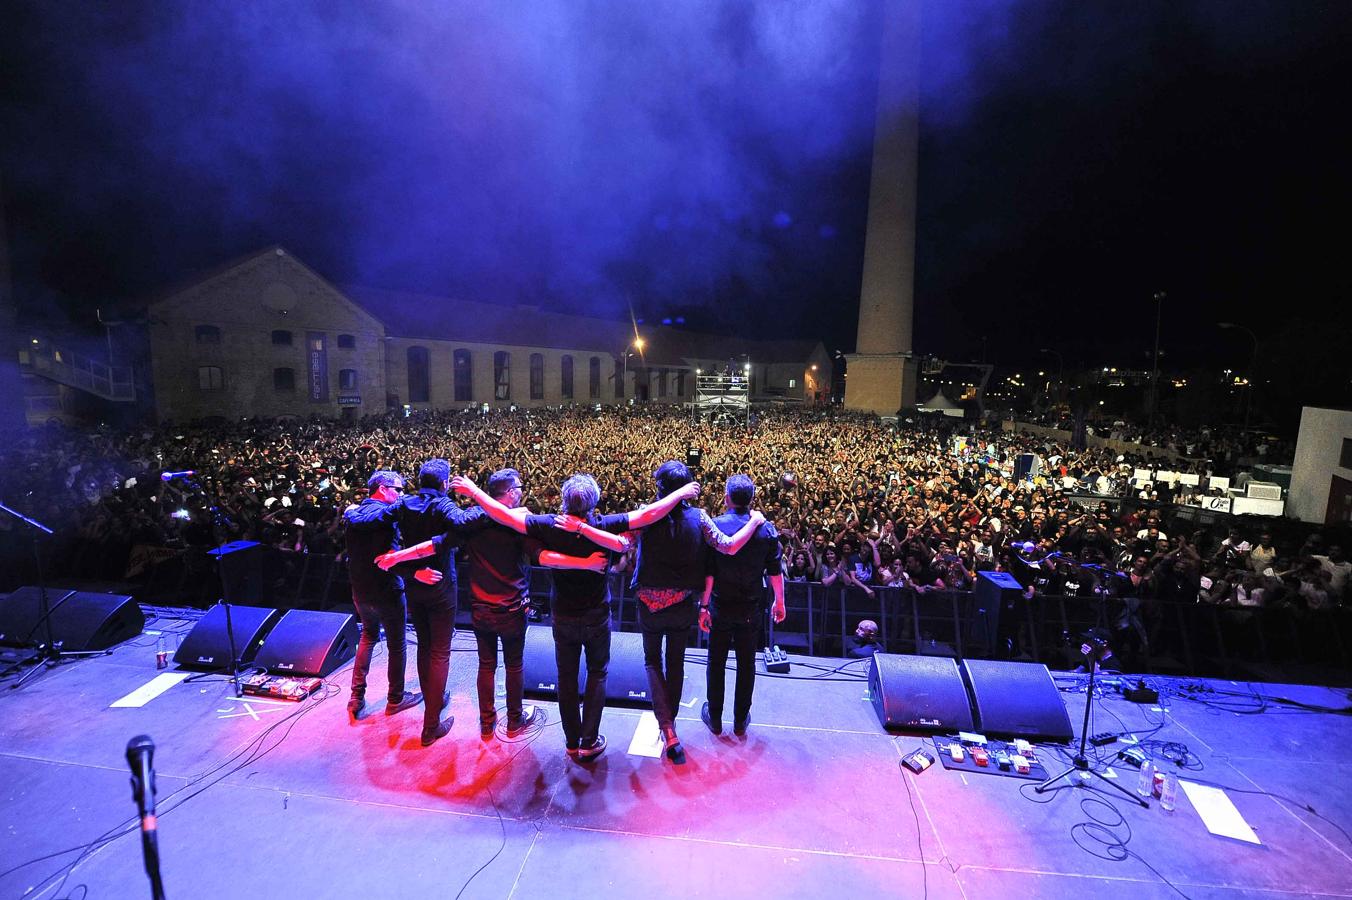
(268, 336)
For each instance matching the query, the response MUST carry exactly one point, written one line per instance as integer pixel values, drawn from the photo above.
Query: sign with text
(317, 354)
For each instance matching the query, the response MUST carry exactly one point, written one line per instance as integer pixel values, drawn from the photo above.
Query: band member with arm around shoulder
(377, 595)
(735, 584)
(670, 574)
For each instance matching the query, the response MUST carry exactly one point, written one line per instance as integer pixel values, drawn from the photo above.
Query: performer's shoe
(486, 726)
(739, 727)
(411, 699)
(431, 736)
(587, 754)
(714, 725)
(517, 725)
(675, 752)
(356, 707)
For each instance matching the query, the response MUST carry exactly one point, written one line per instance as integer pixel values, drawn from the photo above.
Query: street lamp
(638, 345)
(1253, 365)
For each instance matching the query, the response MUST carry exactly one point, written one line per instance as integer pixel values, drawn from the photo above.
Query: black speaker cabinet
(626, 679)
(306, 642)
(80, 620)
(919, 693)
(1015, 699)
(997, 599)
(207, 646)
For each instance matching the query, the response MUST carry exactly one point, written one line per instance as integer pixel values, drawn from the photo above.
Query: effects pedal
(918, 761)
(1103, 739)
(776, 660)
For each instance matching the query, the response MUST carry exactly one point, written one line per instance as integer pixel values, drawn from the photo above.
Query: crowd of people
(856, 500)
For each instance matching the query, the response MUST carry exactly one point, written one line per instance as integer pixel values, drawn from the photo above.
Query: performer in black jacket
(377, 595)
(736, 585)
(430, 513)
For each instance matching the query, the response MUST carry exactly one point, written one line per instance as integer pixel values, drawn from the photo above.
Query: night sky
(701, 159)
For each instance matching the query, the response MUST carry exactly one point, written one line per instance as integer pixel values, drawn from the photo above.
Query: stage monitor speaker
(81, 620)
(626, 678)
(995, 615)
(207, 646)
(1017, 699)
(306, 642)
(919, 693)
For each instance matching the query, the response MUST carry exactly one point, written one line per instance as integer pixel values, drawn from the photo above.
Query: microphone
(141, 758)
(170, 476)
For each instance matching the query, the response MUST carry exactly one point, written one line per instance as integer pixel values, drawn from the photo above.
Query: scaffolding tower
(721, 399)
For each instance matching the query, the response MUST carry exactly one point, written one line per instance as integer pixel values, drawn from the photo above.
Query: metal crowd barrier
(1150, 636)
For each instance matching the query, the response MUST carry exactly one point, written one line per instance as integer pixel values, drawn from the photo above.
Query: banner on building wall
(318, 355)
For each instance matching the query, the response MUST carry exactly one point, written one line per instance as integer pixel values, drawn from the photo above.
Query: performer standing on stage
(670, 573)
(421, 516)
(581, 614)
(736, 584)
(377, 595)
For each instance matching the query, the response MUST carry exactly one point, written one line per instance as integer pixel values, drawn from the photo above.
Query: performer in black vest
(736, 585)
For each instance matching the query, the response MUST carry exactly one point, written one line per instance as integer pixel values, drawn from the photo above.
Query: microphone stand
(49, 650)
(1080, 762)
(224, 601)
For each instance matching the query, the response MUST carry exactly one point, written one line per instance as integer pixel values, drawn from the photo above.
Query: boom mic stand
(1096, 653)
(218, 519)
(50, 650)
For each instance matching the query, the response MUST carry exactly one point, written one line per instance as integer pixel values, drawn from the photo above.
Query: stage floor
(264, 799)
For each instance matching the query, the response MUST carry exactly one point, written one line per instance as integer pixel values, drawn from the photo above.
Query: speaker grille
(1018, 700)
(919, 693)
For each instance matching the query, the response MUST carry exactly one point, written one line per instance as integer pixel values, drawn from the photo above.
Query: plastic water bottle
(1145, 781)
(1169, 792)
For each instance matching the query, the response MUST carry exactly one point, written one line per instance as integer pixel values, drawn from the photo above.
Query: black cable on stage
(252, 751)
(532, 734)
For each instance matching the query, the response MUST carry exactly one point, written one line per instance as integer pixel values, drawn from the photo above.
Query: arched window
(566, 377)
(207, 334)
(661, 382)
(210, 378)
(537, 376)
(502, 375)
(347, 379)
(680, 382)
(594, 378)
(284, 380)
(419, 384)
(281, 338)
(463, 365)
(619, 380)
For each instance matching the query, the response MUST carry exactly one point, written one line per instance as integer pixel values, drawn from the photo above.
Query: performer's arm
(655, 511)
(595, 563)
(705, 617)
(514, 519)
(777, 610)
(389, 560)
(729, 544)
(616, 543)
